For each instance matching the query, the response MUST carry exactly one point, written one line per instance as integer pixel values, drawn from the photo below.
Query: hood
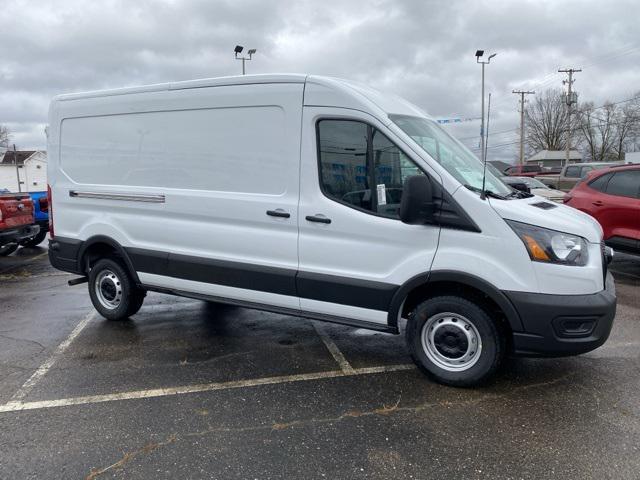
(560, 217)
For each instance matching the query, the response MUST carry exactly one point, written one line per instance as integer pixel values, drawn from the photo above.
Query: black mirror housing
(416, 205)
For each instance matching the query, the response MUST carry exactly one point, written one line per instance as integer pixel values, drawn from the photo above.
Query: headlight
(550, 246)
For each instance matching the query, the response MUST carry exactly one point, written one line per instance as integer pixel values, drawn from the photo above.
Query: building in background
(632, 157)
(32, 169)
(553, 158)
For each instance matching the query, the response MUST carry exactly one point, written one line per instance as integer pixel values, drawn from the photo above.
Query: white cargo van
(324, 199)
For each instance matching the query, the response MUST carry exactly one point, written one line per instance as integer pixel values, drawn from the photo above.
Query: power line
(500, 145)
(637, 97)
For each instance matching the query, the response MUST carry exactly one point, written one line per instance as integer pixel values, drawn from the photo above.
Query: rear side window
(361, 167)
(600, 183)
(625, 184)
(531, 168)
(572, 172)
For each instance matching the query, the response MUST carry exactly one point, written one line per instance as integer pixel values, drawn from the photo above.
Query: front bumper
(17, 234)
(562, 325)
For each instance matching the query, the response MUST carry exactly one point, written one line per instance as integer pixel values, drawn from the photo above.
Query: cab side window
(584, 171)
(572, 172)
(361, 167)
(342, 147)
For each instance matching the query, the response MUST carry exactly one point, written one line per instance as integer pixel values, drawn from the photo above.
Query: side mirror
(416, 205)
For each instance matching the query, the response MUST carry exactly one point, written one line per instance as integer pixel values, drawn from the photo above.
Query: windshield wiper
(488, 193)
(519, 194)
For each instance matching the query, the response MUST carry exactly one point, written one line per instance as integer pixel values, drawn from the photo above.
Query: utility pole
(572, 98)
(522, 93)
(15, 159)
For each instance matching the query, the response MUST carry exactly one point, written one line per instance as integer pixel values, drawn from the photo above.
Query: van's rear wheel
(113, 293)
(454, 341)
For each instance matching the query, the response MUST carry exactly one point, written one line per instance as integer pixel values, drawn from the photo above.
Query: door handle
(278, 212)
(317, 218)
(598, 203)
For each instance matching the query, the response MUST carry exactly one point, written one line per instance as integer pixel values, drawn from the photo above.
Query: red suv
(612, 196)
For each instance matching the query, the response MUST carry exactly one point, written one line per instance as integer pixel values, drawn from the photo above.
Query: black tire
(6, 250)
(35, 241)
(455, 325)
(137, 300)
(112, 290)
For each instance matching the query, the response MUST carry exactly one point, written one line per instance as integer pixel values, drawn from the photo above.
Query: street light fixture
(238, 50)
(479, 54)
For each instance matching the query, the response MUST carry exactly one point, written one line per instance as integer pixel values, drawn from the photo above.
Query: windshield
(450, 153)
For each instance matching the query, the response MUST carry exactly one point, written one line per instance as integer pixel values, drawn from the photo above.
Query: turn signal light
(535, 249)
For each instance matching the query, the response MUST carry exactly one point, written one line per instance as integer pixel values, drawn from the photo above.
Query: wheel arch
(433, 283)
(99, 246)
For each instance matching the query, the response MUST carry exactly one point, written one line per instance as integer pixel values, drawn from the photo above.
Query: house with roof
(31, 170)
(553, 158)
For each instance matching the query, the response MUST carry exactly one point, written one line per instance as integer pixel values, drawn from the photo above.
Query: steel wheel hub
(451, 341)
(108, 289)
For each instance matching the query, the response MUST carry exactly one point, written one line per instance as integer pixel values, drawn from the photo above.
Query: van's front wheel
(113, 293)
(454, 341)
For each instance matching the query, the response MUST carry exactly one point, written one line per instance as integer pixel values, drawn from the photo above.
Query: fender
(116, 246)
(456, 277)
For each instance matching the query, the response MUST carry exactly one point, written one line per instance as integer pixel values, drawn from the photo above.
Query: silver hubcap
(451, 341)
(108, 289)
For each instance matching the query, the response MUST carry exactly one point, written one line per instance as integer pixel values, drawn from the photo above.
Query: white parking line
(345, 366)
(46, 366)
(17, 406)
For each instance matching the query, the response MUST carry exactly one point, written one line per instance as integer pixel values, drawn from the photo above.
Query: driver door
(354, 252)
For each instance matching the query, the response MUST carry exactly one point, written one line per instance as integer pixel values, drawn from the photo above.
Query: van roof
(320, 90)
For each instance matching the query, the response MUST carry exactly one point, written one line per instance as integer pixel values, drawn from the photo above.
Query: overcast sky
(421, 50)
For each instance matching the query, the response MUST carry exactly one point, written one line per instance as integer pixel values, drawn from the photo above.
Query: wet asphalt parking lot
(187, 389)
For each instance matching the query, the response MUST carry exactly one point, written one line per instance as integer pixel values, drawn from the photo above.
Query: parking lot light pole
(238, 50)
(479, 54)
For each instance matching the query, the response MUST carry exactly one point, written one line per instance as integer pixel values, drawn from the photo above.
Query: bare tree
(609, 131)
(546, 120)
(628, 127)
(5, 136)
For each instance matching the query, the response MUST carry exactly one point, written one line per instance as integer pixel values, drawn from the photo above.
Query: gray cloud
(422, 50)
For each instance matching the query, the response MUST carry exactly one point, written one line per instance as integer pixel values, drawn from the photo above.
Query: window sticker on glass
(382, 194)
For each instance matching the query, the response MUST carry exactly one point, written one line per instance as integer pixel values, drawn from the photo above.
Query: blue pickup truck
(41, 216)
